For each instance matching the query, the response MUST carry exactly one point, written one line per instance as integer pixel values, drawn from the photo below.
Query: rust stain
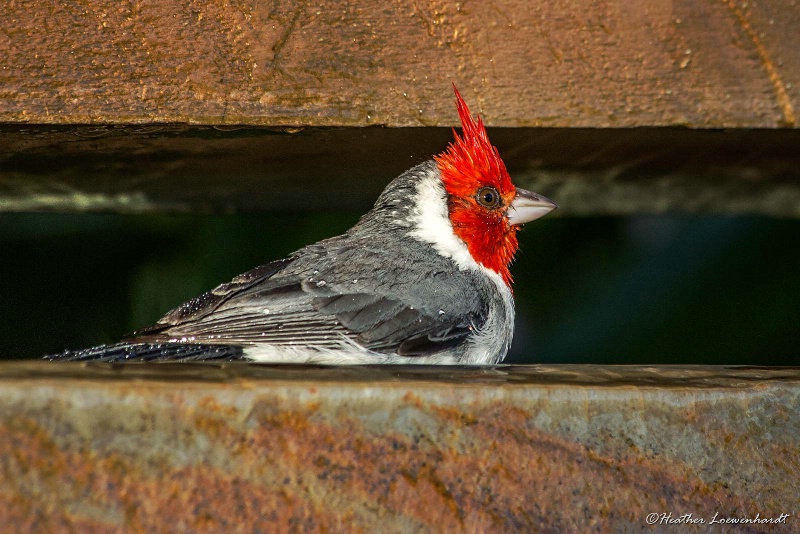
(33, 447)
(197, 497)
(211, 404)
(401, 473)
(273, 460)
(784, 102)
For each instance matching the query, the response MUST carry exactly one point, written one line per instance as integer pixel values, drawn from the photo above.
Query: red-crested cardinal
(423, 278)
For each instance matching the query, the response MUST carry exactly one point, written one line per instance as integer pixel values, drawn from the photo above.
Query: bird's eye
(488, 197)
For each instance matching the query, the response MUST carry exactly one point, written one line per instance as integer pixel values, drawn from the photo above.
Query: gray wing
(330, 293)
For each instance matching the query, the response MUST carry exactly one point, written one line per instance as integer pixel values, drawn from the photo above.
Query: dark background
(644, 289)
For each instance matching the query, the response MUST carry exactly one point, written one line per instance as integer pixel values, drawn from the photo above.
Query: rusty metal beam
(531, 448)
(578, 63)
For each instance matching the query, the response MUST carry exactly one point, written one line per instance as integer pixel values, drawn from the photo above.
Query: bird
(422, 278)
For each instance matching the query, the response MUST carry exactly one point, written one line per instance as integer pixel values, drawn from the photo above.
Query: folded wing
(283, 303)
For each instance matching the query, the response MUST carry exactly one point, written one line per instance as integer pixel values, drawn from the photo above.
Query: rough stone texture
(587, 171)
(699, 63)
(237, 448)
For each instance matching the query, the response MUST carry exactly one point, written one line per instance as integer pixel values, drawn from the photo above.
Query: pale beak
(528, 206)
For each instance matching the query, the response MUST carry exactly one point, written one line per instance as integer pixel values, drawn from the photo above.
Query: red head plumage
(472, 171)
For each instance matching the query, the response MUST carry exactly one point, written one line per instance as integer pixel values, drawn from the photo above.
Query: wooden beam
(578, 63)
(143, 169)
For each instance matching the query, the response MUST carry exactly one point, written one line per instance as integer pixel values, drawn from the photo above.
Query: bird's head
(484, 207)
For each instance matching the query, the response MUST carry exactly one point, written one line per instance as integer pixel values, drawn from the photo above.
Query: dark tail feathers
(150, 352)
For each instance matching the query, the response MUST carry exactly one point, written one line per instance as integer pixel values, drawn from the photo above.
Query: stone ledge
(515, 448)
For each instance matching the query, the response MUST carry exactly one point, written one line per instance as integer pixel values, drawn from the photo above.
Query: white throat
(430, 223)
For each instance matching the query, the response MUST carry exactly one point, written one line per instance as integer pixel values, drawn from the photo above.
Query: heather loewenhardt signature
(690, 519)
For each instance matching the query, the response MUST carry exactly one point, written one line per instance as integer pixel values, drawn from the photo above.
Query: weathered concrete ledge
(530, 448)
